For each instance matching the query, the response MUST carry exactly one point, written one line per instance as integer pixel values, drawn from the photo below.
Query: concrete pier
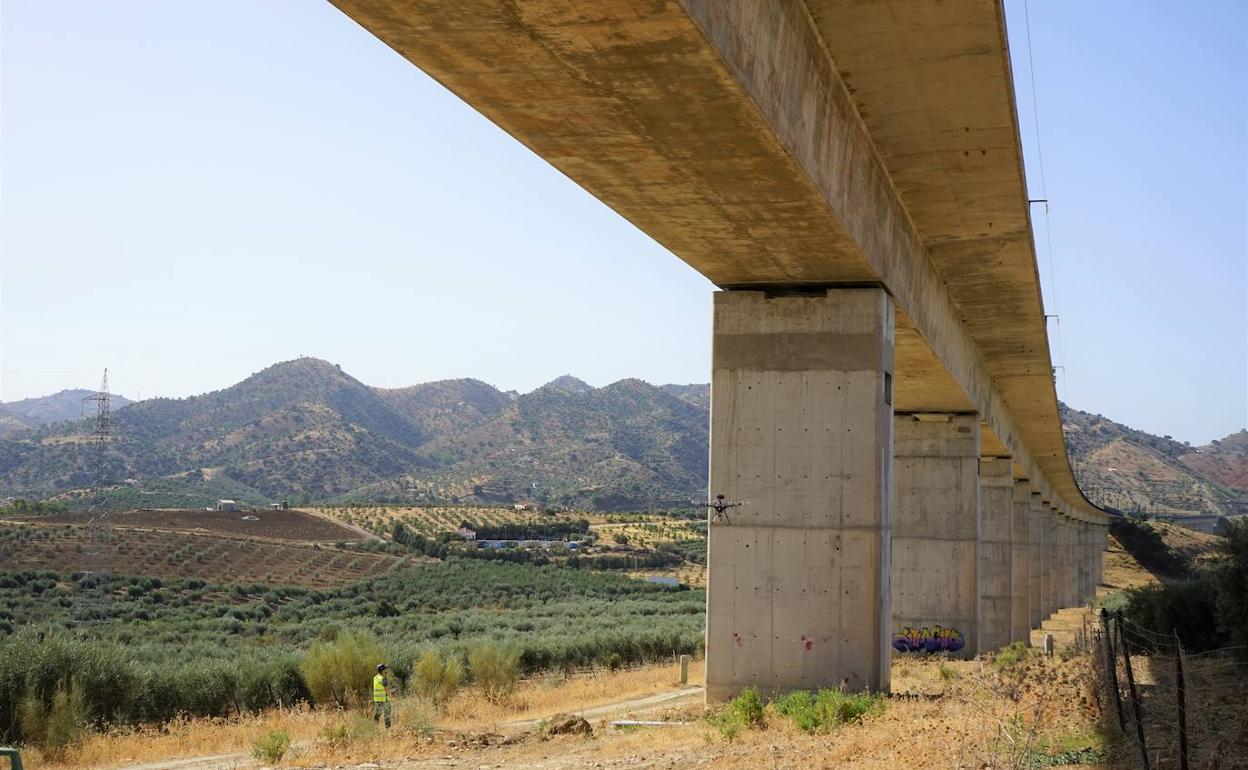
(1020, 566)
(996, 512)
(1082, 567)
(1050, 577)
(801, 432)
(1035, 561)
(1066, 562)
(935, 531)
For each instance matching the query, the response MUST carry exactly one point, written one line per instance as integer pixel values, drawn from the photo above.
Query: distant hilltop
(305, 430)
(58, 407)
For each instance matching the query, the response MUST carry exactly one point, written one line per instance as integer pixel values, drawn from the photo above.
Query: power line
(1044, 191)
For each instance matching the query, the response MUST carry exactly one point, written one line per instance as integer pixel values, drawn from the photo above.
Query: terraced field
(290, 525)
(649, 534)
(432, 521)
(168, 554)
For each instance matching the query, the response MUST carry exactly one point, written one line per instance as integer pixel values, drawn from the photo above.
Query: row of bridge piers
(865, 533)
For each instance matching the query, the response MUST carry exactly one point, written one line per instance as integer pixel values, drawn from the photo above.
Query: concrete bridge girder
(864, 168)
(791, 144)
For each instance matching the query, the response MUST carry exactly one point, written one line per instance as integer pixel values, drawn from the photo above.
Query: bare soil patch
(290, 525)
(172, 554)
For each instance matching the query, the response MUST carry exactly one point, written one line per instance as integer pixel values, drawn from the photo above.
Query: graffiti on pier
(929, 639)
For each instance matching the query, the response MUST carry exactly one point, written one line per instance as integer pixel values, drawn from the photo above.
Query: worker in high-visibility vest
(381, 695)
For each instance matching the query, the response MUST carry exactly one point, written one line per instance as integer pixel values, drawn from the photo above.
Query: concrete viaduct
(850, 175)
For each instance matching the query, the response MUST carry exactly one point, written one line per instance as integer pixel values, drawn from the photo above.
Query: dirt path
(634, 705)
(213, 762)
(637, 706)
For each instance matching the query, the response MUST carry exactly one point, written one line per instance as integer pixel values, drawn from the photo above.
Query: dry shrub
(437, 679)
(340, 672)
(495, 668)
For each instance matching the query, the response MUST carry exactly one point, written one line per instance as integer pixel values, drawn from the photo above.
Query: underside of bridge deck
(806, 149)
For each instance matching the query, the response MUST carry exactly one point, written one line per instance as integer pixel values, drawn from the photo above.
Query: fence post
(1135, 695)
(1178, 678)
(1112, 669)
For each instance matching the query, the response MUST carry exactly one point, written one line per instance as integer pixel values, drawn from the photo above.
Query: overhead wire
(1044, 192)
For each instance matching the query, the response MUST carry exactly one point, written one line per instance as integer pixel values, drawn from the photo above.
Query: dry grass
(467, 713)
(554, 693)
(978, 717)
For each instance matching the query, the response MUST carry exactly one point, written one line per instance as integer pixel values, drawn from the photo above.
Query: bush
(745, 710)
(1208, 611)
(334, 736)
(1231, 579)
(495, 668)
(39, 668)
(57, 728)
(436, 679)
(1187, 606)
(1008, 657)
(357, 727)
(341, 672)
(822, 711)
(271, 746)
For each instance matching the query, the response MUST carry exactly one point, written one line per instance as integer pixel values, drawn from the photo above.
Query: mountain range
(304, 430)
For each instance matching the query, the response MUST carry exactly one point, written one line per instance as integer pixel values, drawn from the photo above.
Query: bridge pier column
(1035, 560)
(1094, 560)
(1020, 568)
(1067, 561)
(1051, 591)
(935, 592)
(1078, 561)
(801, 432)
(1102, 545)
(1085, 564)
(996, 511)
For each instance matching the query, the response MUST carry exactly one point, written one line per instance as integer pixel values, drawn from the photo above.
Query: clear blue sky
(192, 191)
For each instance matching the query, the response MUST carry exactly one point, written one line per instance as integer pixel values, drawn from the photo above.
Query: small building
(466, 533)
(227, 506)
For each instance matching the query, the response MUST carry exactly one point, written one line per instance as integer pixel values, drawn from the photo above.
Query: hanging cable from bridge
(1060, 363)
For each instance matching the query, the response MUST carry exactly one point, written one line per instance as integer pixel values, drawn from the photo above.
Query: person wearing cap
(381, 695)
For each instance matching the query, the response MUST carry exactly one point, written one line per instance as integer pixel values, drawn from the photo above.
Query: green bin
(15, 757)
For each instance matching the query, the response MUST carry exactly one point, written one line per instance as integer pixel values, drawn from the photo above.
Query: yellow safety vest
(379, 689)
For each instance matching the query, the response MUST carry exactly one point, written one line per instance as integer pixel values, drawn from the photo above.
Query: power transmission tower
(101, 426)
(91, 582)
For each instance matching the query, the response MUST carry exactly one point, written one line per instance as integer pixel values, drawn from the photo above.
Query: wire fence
(1179, 709)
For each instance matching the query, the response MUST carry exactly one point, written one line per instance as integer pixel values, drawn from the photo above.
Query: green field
(208, 649)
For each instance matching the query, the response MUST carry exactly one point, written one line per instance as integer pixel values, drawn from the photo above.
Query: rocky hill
(305, 430)
(1130, 470)
(626, 445)
(34, 412)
